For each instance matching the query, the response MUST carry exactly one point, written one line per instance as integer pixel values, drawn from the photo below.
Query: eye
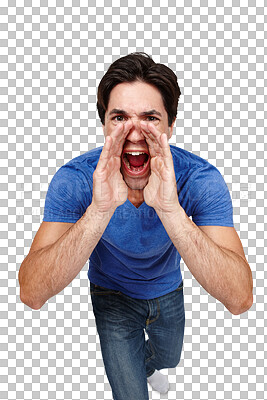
(151, 118)
(118, 118)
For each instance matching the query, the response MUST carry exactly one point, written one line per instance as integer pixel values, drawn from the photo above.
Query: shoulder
(186, 158)
(188, 166)
(77, 172)
(82, 166)
(86, 161)
(70, 190)
(203, 192)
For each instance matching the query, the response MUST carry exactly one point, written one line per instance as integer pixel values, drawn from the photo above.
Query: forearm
(47, 271)
(222, 273)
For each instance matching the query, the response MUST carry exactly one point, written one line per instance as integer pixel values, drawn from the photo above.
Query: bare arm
(214, 255)
(48, 270)
(59, 253)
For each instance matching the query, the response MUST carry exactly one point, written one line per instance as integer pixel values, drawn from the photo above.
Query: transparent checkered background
(52, 57)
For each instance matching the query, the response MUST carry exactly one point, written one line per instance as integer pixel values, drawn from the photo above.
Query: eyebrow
(143, 114)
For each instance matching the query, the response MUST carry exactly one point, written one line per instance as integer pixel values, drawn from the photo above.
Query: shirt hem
(96, 279)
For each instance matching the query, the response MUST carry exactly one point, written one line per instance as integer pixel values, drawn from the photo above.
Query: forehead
(135, 96)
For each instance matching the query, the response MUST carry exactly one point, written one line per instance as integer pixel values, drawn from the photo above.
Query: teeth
(135, 153)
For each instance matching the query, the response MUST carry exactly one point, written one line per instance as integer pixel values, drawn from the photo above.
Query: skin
(213, 254)
(128, 132)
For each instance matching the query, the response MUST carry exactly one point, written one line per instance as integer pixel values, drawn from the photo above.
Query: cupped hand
(161, 190)
(109, 188)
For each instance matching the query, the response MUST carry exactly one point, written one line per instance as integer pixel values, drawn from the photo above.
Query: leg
(165, 329)
(120, 325)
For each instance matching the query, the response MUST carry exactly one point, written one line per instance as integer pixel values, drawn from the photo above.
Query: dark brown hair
(140, 66)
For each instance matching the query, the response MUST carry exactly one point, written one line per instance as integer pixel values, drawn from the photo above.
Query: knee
(171, 360)
(174, 361)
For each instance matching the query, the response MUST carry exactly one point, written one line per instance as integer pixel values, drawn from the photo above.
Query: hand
(109, 188)
(161, 190)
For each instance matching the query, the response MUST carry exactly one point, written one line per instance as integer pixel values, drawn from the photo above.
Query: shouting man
(126, 207)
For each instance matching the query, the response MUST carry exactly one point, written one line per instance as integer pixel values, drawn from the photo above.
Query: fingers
(151, 130)
(152, 138)
(113, 144)
(157, 141)
(118, 136)
(166, 151)
(105, 154)
(153, 147)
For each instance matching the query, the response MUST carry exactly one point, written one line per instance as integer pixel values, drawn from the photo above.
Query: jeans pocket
(100, 290)
(180, 287)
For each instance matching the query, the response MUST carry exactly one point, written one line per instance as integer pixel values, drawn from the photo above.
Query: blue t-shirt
(135, 254)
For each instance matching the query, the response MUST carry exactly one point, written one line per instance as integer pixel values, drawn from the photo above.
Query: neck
(136, 197)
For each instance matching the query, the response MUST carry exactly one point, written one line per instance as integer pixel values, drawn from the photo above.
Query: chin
(136, 184)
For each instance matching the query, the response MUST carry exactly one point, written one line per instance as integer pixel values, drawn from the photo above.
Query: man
(127, 207)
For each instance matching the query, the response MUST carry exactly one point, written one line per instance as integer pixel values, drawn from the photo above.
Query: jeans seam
(148, 321)
(153, 352)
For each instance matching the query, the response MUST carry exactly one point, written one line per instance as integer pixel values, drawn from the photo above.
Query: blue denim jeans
(121, 323)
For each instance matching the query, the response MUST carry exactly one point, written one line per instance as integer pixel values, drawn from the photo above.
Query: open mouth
(135, 162)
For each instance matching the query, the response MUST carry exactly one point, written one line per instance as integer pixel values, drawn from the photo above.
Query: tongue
(136, 161)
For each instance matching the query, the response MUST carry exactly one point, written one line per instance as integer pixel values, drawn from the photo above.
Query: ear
(170, 131)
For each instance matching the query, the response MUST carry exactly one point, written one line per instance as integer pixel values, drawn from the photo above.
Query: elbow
(245, 301)
(29, 302)
(245, 306)
(24, 297)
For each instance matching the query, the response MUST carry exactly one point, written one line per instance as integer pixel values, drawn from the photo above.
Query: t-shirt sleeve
(212, 204)
(68, 196)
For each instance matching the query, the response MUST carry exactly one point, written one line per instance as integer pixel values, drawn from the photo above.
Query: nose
(135, 134)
